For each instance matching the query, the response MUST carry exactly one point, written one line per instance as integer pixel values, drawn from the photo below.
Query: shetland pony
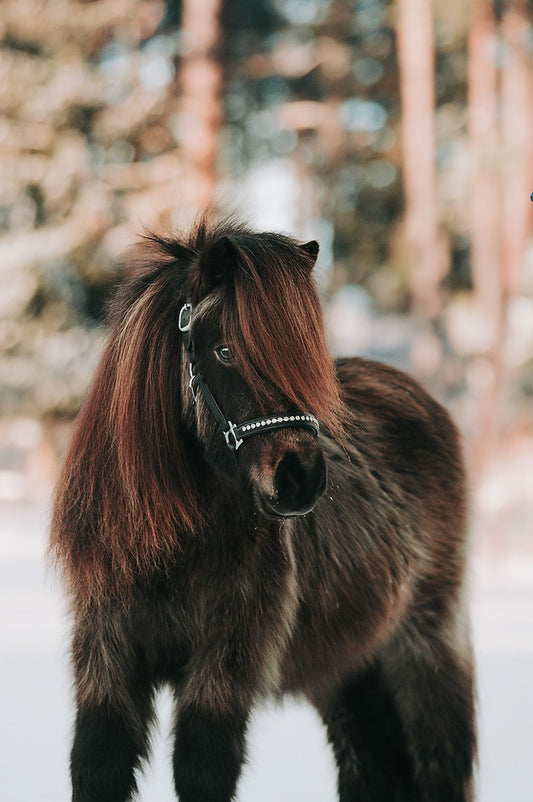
(237, 517)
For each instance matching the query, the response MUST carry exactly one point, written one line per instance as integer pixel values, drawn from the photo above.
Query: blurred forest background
(397, 132)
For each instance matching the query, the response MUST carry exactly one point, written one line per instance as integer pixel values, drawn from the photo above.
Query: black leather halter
(235, 434)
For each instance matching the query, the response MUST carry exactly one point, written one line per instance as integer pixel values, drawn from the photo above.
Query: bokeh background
(399, 133)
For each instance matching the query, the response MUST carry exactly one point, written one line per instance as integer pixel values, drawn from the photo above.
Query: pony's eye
(224, 354)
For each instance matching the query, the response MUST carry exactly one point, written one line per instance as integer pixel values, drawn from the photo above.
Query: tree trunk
(517, 134)
(500, 122)
(200, 106)
(485, 220)
(416, 57)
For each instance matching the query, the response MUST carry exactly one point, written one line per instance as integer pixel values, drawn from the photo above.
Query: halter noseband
(235, 434)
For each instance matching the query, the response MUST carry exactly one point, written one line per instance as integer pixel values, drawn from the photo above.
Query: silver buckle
(192, 377)
(230, 432)
(186, 309)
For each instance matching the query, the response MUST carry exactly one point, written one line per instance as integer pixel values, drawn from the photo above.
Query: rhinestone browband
(236, 435)
(245, 427)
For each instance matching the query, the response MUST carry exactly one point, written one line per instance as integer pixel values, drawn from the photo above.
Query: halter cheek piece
(235, 434)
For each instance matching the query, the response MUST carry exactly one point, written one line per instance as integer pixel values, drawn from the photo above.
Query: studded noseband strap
(235, 434)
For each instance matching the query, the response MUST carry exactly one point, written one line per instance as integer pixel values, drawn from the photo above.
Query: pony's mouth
(268, 508)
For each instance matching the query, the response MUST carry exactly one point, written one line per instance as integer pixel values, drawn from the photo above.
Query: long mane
(128, 491)
(273, 320)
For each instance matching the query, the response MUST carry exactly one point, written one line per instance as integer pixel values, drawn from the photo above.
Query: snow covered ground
(289, 757)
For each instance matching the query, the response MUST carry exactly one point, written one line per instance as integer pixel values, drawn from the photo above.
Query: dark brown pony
(211, 541)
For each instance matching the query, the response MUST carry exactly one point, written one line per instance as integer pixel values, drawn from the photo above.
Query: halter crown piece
(235, 434)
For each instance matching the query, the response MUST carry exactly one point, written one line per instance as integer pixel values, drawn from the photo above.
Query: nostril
(298, 484)
(289, 480)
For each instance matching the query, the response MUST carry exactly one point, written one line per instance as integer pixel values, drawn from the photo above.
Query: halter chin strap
(235, 434)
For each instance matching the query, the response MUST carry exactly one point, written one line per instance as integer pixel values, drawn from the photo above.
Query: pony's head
(255, 347)
(132, 482)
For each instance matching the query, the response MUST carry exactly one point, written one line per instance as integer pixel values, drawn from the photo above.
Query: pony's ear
(311, 249)
(217, 264)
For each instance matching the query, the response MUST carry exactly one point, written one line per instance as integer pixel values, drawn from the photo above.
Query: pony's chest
(219, 599)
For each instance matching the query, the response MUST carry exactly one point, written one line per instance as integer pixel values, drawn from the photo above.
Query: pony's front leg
(247, 622)
(213, 708)
(109, 745)
(114, 709)
(208, 754)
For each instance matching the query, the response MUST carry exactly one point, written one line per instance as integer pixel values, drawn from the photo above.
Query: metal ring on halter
(185, 317)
